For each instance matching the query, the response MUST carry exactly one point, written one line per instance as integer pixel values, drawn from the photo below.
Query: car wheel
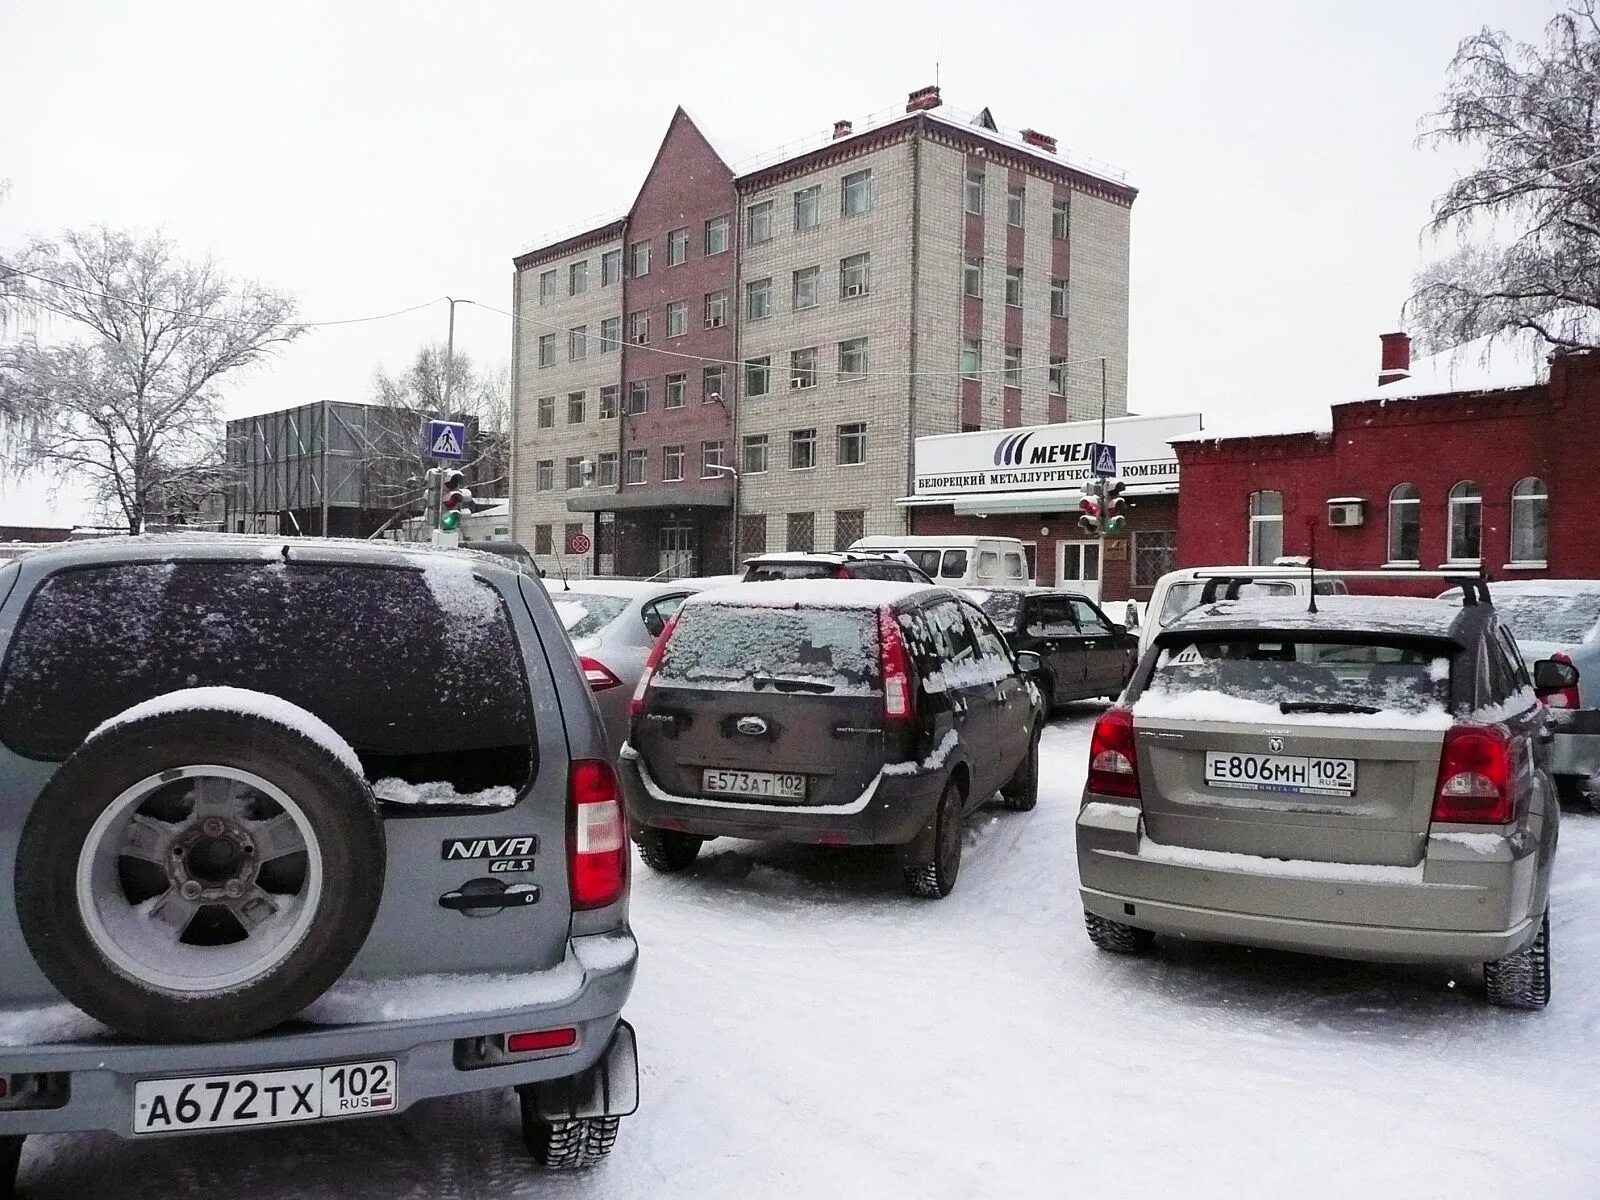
(937, 879)
(1021, 791)
(1522, 980)
(10, 1163)
(1116, 938)
(199, 875)
(567, 1145)
(1578, 792)
(666, 850)
(1046, 684)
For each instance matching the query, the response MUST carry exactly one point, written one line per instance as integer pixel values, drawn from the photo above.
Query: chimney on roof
(842, 129)
(1042, 140)
(1395, 364)
(923, 98)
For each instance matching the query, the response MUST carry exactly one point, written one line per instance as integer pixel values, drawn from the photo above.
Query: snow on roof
(729, 150)
(1509, 359)
(1370, 614)
(811, 593)
(591, 585)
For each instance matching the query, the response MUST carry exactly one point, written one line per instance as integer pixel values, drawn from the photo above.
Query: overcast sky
(369, 156)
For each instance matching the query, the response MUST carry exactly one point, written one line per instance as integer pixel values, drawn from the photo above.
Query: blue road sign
(1103, 459)
(447, 439)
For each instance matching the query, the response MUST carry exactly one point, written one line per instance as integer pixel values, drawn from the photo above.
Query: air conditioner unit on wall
(1346, 514)
(852, 290)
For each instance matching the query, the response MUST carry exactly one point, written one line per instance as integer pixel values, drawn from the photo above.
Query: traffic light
(456, 499)
(1115, 508)
(1089, 522)
(430, 498)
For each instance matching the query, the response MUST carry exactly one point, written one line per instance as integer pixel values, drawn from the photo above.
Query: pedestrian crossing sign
(1104, 459)
(447, 439)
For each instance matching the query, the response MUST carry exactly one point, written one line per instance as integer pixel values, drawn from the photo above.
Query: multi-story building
(789, 330)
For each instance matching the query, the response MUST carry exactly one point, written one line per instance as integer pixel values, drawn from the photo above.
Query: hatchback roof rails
(1474, 588)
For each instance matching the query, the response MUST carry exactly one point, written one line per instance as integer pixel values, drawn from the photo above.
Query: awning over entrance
(706, 494)
(977, 504)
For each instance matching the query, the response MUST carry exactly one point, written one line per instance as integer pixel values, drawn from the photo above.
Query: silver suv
(1366, 778)
(304, 831)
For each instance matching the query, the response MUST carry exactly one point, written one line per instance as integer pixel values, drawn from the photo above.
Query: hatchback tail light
(597, 675)
(1113, 756)
(651, 664)
(1563, 697)
(597, 838)
(1474, 776)
(899, 693)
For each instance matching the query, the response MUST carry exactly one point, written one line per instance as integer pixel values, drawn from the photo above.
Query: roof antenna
(1311, 533)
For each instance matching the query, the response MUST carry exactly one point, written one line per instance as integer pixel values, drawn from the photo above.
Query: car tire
(936, 879)
(567, 1145)
(666, 850)
(1021, 791)
(1116, 938)
(1046, 684)
(1578, 792)
(166, 838)
(1522, 980)
(10, 1164)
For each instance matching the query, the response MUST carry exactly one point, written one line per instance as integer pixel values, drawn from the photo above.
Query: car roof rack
(1474, 587)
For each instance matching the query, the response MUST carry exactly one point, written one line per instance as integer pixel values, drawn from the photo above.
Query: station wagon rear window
(584, 614)
(767, 572)
(1561, 619)
(821, 651)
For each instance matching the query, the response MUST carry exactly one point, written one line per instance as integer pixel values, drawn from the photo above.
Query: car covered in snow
(830, 712)
(295, 831)
(1366, 778)
(1176, 592)
(844, 564)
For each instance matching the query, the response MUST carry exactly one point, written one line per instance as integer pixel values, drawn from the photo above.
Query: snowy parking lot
(807, 1030)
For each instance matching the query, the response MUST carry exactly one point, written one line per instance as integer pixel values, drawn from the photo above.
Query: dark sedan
(1084, 654)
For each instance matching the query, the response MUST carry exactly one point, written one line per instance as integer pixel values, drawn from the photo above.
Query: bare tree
(451, 388)
(1534, 113)
(131, 402)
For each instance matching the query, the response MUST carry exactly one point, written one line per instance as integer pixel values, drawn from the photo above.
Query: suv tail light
(899, 692)
(1564, 697)
(597, 675)
(597, 839)
(1474, 776)
(636, 705)
(1113, 756)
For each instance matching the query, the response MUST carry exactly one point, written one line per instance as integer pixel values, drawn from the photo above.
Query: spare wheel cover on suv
(201, 873)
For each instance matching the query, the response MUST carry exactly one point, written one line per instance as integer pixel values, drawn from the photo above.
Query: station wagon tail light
(651, 665)
(534, 1041)
(898, 692)
(597, 839)
(1474, 776)
(597, 676)
(1565, 697)
(1113, 757)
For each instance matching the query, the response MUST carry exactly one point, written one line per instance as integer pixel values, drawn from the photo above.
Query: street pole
(450, 356)
(325, 424)
(1102, 398)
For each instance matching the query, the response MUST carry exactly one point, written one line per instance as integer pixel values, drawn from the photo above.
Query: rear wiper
(786, 683)
(1324, 706)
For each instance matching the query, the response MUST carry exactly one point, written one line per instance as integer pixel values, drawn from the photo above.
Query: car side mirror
(1029, 662)
(654, 623)
(1552, 675)
(1119, 630)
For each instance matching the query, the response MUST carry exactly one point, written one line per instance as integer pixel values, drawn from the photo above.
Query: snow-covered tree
(128, 400)
(1527, 218)
(440, 386)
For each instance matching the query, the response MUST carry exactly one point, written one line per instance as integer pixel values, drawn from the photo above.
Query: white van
(959, 560)
(1177, 592)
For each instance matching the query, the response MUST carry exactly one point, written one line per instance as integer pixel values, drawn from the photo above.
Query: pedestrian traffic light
(1089, 504)
(456, 499)
(1114, 508)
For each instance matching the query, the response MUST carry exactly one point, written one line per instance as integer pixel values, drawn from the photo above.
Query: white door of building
(1078, 567)
(677, 551)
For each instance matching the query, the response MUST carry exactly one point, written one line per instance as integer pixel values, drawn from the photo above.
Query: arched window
(1266, 528)
(1405, 524)
(1530, 515)
(1466, 522)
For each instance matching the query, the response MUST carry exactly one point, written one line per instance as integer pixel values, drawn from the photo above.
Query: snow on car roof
(200, 544)
(632, 588)
(1377, 614)
(810, 593)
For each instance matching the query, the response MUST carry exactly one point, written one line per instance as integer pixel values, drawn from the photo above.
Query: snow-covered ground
(808, 1031)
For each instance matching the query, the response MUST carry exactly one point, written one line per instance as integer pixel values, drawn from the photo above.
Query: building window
(578, 278)
(1060, 218)
(853, 444)
(855, 196)
(710, 458)
(1058, 375)
(544, 476)
(677, 318)
(808, 208)
(671, 464)
(1014, 286)
(758, 299)
(1466, 522)
(575, 408)
(716, 235)
(758, 376)
(1405, 524)
(1266, 528)
(753, 533)
(677, 247)
(1155, 553)
(1013, 366)
(547, 412)
(802, 449)
(716, 310)
(610, 334)
(972, 278)
(547, 349)
(577, 343)
(853, 359)
(610, 268)
(606, 475)
(639, 328)
(803, 368)
(973, 200)
(806, 287)
(713, 383)
(754, 461)
(758, 222)
(547, 287)
(638, 397)
(608, 401)
(1530, 522)
(677, 394)
(849, 526)
(639, 259)
(855, 276)
(802, 533)
(971, 358)
(1015, 199)
(574, 472)
(541, 539)
(634, 466)
(1058, 297)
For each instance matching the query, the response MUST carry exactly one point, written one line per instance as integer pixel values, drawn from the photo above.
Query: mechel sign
(1049, 456)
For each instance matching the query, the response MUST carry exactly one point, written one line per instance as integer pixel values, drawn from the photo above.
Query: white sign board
(1039, 457)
